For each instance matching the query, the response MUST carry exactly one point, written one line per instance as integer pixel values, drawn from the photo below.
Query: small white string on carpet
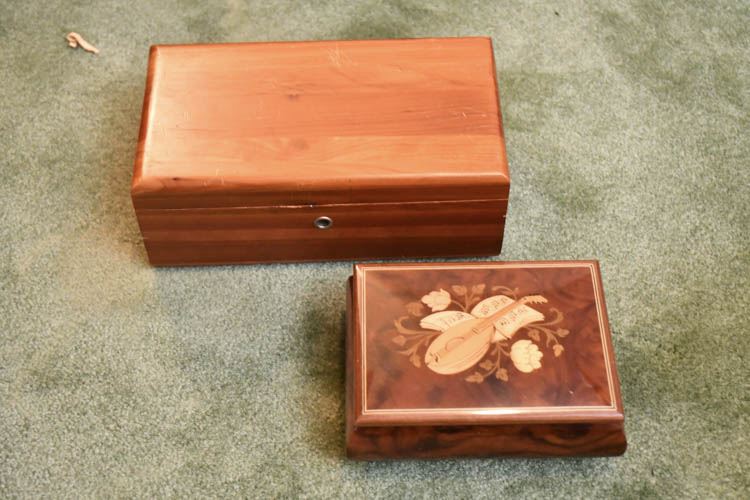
(76, 40)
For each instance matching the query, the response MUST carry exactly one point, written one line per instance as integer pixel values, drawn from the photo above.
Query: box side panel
(146, 118)
(598, 283)
(222, 236)
(349, 349)
(501, 130)
(539, 440)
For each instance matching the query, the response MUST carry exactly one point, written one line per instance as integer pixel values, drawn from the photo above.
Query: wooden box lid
(330, 122)
(481, 344)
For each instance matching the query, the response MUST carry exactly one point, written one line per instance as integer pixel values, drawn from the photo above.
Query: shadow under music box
(480, 359)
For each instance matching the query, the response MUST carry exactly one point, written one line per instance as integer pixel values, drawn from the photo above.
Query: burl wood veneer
(300, 151)
(480, 359)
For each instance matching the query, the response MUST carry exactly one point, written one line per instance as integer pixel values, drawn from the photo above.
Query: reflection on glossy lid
(483, 343)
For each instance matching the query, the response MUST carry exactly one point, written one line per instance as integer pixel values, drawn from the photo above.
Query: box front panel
(520, 440)
(273, 234)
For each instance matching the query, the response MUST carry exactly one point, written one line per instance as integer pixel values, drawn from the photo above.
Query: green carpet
(627, 131)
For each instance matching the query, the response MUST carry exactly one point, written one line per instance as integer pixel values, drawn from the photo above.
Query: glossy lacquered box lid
(482, 343)
(328, 122)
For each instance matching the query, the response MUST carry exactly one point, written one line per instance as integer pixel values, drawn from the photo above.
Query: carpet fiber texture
(627, 131)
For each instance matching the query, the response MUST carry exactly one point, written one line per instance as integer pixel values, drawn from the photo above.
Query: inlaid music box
(298, 151)
(480, 359)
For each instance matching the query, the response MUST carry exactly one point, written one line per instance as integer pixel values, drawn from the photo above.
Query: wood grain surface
(570, 405)
(524, 440)
(208, 236)
(387, 128)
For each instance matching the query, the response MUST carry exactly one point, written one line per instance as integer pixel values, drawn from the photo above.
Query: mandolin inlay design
(497, 335)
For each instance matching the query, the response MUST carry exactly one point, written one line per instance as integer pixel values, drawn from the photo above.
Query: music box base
(541, 383)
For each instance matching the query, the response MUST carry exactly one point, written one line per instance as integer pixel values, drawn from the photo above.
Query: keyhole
(323, 222)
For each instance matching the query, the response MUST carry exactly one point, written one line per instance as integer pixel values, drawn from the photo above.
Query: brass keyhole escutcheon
(323, 222)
